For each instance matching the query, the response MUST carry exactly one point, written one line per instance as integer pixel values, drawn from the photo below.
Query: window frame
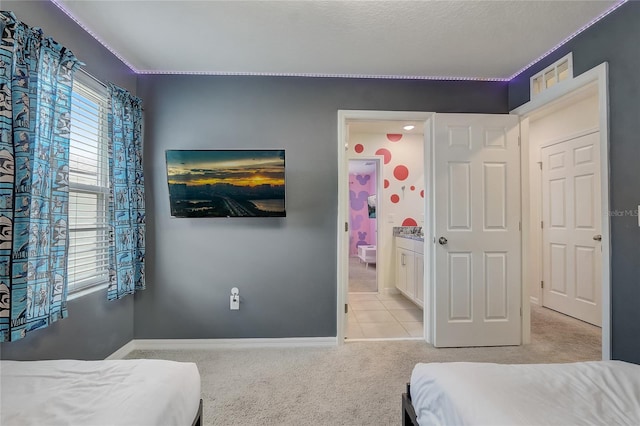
(100, 277)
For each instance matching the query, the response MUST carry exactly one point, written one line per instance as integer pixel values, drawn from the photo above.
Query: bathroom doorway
(363, 225)
(395, 144)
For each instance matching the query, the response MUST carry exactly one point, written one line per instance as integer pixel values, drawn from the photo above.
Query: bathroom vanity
(410, 267)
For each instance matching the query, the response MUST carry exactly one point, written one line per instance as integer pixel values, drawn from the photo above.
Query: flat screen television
(226, 183)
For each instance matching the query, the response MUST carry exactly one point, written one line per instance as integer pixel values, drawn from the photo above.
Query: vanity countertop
(411, 237)
(410, 232)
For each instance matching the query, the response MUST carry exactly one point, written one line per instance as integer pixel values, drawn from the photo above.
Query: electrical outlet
(234, 305)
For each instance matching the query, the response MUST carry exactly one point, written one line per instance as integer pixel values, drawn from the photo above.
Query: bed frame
(409, 417)
(198, 420)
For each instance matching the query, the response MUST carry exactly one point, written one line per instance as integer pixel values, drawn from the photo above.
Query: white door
(571, 228)
(476, 161)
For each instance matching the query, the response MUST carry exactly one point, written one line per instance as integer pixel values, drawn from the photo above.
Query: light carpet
(357, 383)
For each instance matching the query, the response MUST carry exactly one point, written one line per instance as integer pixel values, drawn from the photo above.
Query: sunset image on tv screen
(226, 183)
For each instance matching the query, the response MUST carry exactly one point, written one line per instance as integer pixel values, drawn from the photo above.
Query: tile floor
(382, 316)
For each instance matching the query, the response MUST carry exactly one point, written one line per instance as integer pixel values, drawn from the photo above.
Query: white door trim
(343, 197)
(599, 75)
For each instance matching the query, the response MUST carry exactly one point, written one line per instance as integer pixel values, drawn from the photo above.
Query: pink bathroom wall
(362, 228)
(402, 173)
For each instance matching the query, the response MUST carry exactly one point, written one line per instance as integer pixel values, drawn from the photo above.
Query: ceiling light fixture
(409, 127)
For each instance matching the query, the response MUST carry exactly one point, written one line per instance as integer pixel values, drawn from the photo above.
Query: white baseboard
(534, 300)
(197, 344)
(391, 290)
(123, 351)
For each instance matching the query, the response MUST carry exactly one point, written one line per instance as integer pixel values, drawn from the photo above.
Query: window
(88, 185)
(561, 70)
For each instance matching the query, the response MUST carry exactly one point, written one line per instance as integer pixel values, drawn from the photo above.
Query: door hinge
(520, 226)
(541, 284)
(346, 227)
(541, 224)
(520, 310)
(540, 164)
(346, 308)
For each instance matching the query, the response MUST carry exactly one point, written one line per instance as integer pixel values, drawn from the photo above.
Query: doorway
(565, 151)
(382, 311)
(363, 225)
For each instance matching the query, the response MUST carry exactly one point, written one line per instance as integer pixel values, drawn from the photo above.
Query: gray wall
(615, 40)
(95, 327)
(285, 268)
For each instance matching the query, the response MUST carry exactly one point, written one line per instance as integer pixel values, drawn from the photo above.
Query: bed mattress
(584, 393)
(118, 392)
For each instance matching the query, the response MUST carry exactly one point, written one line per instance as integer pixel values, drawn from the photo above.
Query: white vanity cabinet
(410, 269)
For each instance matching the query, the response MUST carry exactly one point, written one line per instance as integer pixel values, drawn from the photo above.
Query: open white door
(572, 229)
(476, 160)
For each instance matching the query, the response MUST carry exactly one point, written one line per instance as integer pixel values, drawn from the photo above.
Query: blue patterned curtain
(36, 77)
(126, 200)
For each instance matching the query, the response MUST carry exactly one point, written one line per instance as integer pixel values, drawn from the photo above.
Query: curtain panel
(126, 200)
(36, 76)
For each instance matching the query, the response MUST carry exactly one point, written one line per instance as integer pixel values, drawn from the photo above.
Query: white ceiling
(424, 39)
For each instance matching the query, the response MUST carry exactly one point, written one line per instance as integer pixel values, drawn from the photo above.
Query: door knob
(442, 241)
(597, 237)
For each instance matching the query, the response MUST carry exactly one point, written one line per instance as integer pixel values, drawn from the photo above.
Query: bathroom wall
(362, 227)
(402, 200)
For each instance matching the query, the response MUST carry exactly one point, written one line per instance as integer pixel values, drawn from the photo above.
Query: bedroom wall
(285, 268)
(614, 40)
(95, 327)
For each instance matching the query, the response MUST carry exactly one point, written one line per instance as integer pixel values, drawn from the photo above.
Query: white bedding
(94, 393)
(584, 393)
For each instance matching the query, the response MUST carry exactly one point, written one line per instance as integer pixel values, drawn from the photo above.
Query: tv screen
(226, 183)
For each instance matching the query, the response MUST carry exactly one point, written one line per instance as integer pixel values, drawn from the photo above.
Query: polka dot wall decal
(413, 188)
(409, 222)
(394, 137)
(395, 198)
(401, 172)
(386, 183)
(385, 153)
(422, 193)
(358, 148)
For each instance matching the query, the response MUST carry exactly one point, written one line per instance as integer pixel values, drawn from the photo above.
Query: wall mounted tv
(226, 183)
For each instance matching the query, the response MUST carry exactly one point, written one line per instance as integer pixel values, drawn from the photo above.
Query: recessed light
(409, 127)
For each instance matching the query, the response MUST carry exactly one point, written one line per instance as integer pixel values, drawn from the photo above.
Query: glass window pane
(563, 70)
(550, 78)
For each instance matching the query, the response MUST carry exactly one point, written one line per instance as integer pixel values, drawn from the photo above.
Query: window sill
(87, 291)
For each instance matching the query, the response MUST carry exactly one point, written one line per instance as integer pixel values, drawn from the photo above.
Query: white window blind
(88, 185)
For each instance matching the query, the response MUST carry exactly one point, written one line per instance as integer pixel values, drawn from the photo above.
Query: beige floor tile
(399, 304)
(373, 316)
(354, 331)
(383, 330)
(361, 297)
(406, 314)
(367, 305)
(390, 296)
(414, 328)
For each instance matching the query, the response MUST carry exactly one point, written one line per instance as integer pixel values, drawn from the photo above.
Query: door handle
(597, 237)
(442, 241)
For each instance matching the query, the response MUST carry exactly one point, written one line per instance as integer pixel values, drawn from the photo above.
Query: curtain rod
(93, 78)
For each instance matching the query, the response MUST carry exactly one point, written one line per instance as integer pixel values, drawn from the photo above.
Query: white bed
(118, 392)
(583, 393)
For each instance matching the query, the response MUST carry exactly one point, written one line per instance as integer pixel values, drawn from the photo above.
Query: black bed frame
(408, 412)
(198, 420)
